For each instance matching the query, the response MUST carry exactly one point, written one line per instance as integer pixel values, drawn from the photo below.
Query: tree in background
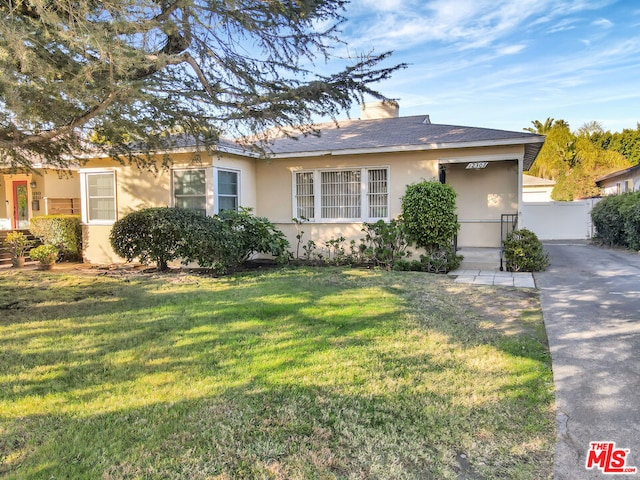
(558, 151)
(129, 75)
(626, 143)
(573, 160)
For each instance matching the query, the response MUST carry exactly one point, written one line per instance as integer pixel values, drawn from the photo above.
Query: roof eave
(532, 147)
(617, 173)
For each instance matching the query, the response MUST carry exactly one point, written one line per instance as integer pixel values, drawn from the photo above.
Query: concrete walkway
(481, 266)
(491, 277)
(590, 300)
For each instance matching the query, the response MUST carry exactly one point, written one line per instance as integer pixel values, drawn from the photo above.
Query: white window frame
(84, 195)
(208, 182)
(216, 202)
(364, 194)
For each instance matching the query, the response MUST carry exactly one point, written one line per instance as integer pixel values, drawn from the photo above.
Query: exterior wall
(616, 185)
(137, 189)
(52, 184)
(267, 187)
(49, 183)
(482, 194)
(5, 218)
(275, 189)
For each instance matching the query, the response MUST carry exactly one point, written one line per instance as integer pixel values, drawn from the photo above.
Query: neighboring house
(626, 180)
(45, 191)
(353, 172)
(536, 189)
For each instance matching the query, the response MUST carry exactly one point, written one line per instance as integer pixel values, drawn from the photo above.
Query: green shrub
(156, 235)
(225, 241)
(523, 252)
(45, 254)
(63, 231)
(630, 212)
(441, 261)
(608, 219)
(222, 242)
(18, 244)
(429, 215)
(386, 243)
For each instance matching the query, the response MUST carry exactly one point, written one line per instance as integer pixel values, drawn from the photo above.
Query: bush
(45, 254)
(429, 215)
(441, 261)
(523, 252)
(608, 219)
(157, 235)
(18, 244)
(222, 242)
(386, 242)
(630, 212)
(225, 241)
(63, 231)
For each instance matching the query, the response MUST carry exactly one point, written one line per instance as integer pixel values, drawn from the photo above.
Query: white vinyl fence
(559, 220)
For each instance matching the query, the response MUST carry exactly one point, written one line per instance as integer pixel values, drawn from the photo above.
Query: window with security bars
(341, 197)
(190, 189)
(305, 207)
(378, 193)
(349, 194)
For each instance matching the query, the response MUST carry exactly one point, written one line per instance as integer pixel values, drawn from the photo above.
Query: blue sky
(503, 63)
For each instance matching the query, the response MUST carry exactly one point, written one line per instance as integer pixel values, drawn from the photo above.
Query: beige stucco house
(42, 192)
(620, 181)
(355, 171)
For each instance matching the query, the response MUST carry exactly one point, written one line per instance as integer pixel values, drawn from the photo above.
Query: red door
(20, 205)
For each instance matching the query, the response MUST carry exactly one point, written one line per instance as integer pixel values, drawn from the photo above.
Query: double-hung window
(190, 189)
(98, 197)
(227, 189)
(353, 194)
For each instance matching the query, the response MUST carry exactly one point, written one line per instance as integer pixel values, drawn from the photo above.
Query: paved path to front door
(591, 304)
(492, 277)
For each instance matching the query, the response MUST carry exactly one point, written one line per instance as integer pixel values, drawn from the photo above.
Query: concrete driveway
(591, 304)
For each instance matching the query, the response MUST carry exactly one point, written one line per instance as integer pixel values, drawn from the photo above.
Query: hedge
(63, 231)
(617, 220)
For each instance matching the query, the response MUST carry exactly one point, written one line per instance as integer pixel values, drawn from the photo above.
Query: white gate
(559, 220)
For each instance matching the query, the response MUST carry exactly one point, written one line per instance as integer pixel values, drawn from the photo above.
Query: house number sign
(476, 165)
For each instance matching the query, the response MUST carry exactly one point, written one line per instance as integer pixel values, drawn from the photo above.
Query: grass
(291, 374)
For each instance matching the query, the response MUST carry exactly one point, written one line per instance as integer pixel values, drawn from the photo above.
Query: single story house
(44, 191)
(536, 189)
(621, 181)
(355, 171)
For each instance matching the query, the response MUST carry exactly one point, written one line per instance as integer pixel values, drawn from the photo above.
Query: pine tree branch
(14, 138)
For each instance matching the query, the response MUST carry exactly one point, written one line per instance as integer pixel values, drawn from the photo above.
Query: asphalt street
(591, 304)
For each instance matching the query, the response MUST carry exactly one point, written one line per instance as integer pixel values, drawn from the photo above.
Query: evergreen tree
(574, 160)
(130, 74)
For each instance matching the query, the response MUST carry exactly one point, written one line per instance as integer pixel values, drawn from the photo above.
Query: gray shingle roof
(617, 173)
(406, 133)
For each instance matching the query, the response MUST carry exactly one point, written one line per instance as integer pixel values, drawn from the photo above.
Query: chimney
(376, 110)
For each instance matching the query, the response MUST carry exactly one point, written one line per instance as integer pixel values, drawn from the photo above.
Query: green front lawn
(290, 374)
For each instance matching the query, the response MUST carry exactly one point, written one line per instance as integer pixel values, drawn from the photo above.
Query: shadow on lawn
(262, 376)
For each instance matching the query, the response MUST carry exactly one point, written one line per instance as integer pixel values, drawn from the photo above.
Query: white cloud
(511, 49)
(563, 25)
(602, 22)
